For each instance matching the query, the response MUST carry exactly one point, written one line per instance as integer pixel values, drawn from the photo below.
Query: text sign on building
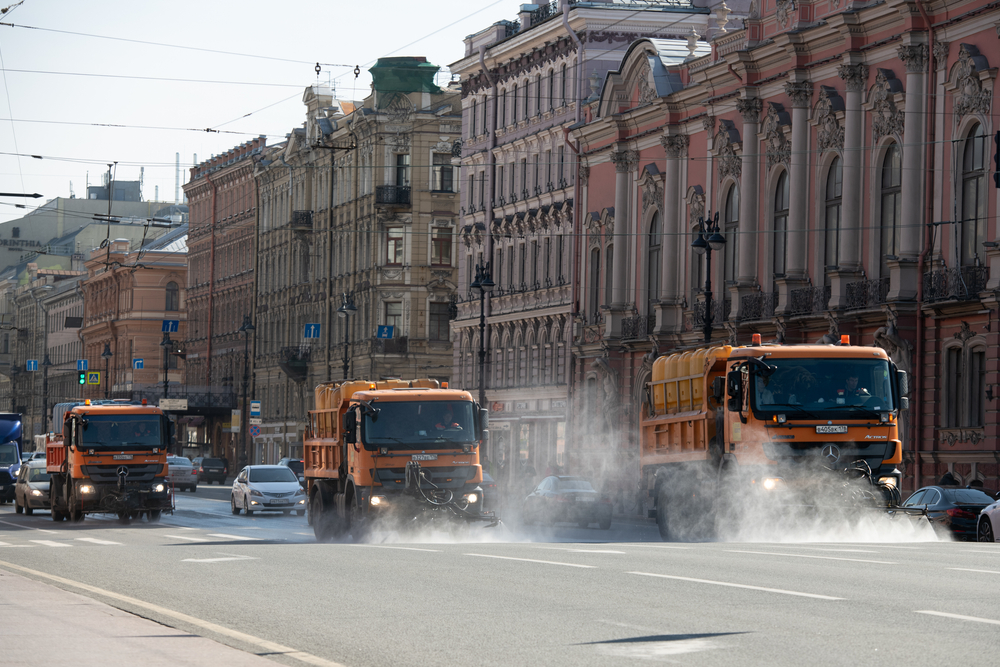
(255, 408)
(311, 331)
(384, 331)
(255, 421)
(174, 404)
(170, 326)
(81, 364)
(93, 378)
(234, 422)
(137, 364)
(31, 365)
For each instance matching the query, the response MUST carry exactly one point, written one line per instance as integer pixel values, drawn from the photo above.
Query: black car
(212, 470)
(951, 509)
(296, 466)
(566, 498)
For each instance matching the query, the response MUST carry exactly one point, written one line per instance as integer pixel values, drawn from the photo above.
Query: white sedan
(989, 523)
(261, 488)
(181, 474)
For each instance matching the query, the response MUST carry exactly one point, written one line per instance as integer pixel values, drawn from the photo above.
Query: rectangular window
(482, 189)
(441, 246)
(394, 245)
(953, 387)
(471, 197)
(472, 124)
(524, 253)
(403, 170)
(524, 178)
(442, 173)
(437, 322)
(394, 315)
(548, 171)
(534, 264)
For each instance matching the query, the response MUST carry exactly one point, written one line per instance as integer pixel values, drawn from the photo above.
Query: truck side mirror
(904, 403)
(904, 382)
(484, 419)
(350, 426)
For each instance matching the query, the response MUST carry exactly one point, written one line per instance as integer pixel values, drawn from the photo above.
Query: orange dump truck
(390, 454)
(111, 458)
(726, 426)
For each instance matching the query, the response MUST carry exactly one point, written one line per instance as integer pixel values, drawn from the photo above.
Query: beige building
(358, 206)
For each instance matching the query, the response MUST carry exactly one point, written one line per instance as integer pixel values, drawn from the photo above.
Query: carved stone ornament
(708, 122)
(913, 56)
(829, 133)
(749, 109)
(398, 142)
(941, 54)
(969, 94)
(754, 11)
(855, 77)
(779, 150)
(625, 161)
(398, 109)
(799, 93)
(887, 119)
(675, 145)
(584, 175)
(652, 194)
(646, 91)
(696, 207)
(729, 162)
(965, 333)
(784, 8)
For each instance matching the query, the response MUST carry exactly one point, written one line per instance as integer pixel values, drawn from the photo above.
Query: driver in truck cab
(446, 420)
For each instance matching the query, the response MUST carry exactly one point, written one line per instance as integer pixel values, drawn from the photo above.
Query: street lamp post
(347, 308)
(705, 241)
(246, 329)
(166, 344)
(482, 283)
(106, 355)
(45, 393)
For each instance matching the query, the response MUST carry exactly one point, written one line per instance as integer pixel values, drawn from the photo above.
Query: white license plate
(832, 428)
(280, 502)
(425, 457)
(122, 457)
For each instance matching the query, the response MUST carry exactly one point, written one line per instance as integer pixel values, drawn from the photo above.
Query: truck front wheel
(322, 522)
(75, 508)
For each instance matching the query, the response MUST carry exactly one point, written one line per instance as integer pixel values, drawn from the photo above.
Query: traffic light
(996, 159)
(83, 378)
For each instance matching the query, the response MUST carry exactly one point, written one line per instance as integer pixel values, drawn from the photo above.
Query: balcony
(720, 312)
(962, 284)
(294, 362)
(638, 327)
(867, 293)
(302, 221)
(399, 345)
(809, 300)
(392, 195)
(759, 306)
(199, 397)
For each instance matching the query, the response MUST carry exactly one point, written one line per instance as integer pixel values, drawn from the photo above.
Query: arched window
(731, 220)
(973, 196)
(653, 265)
(173, 297)
(892, 202)
(834, 188)
(780, 224)
(594, 288)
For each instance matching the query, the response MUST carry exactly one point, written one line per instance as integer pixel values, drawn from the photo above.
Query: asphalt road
(533, 596)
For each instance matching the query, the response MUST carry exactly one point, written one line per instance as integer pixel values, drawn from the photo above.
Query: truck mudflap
(417, 485)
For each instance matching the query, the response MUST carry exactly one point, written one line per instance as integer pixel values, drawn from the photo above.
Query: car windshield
(419, 425)
(178, 461)
(272, 475)
(968, 496)
(295, 466)
(573, 485)
(8, 454)
(850, 386)
(38, 475)
(124, 430)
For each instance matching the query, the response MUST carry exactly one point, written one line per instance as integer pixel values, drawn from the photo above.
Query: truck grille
(136, 473)
(395, 478)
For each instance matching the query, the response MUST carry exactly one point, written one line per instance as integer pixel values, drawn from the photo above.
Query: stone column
(914, 56)
(855, 77)
(747, 279)
(799, 94)
(625, 163)
(669, 311)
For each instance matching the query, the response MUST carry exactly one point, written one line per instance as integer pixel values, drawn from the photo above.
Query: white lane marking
(846, 551)
(94, 540)
(386, 546)
(778, 553)
(217, 560)
(14, 546)
(584, 551)
(189, 539)
(51, 543)
(655, 650)
(18, 525)
(732, 585)
(965, 569)
(959, 617)
(232, 537)
(269, 646)
(533, 560)
(658, 546)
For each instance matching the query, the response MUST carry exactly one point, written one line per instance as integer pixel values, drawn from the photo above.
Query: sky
(132, 84)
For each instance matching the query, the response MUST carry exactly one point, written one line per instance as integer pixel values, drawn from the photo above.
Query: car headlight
(87, 488)
(36, 492)
(301, 502)
(255, 492)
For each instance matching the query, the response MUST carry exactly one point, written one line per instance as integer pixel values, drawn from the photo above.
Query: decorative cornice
(749, 109)
(855, 77)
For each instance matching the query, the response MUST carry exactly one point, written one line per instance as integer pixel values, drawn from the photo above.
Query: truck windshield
(121, 431)
(8, 454)
(419, 425)
(827, 386)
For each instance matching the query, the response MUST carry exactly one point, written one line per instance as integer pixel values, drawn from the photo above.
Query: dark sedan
(951, 509)
(564, 498)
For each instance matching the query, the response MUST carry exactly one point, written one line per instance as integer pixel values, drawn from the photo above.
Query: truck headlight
(159, 488)
(887, 481)
(377, 501)
(87, 488)
(472, 498)
(771, 483)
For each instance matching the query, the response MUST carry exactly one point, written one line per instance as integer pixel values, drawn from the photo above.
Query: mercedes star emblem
(831, 453)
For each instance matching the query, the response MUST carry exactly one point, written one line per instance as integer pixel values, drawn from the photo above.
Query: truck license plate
(832, 428)
(122, 457)
(425, 457)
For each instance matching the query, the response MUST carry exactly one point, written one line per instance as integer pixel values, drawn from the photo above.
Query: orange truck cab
(392, 453)
(111, 458)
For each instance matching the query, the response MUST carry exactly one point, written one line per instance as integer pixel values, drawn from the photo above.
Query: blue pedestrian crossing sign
(137, 364)
(311, 331)
(81, 364)
(31, 364)
(93, 378)
(384, 331)
(170, 326)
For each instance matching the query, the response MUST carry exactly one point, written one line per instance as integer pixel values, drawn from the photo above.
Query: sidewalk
(50, 626)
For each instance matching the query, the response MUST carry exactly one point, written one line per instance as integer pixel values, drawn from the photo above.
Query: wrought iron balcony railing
(867, 293)
(759, 306)
(392, 195)
(720, 312)
(302, 221)
(639, 326)
(294, 362)
(809, 300)
(963, 284)
(398, 345)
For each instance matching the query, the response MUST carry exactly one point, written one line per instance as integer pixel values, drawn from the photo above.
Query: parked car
(263, 488)
(31, 490)
(952, 510)
(295, 465)
(988, 526)
(212, 470)
(181, 473)
(566, 498)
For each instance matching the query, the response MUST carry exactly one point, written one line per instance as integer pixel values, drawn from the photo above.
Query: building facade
(845, 149)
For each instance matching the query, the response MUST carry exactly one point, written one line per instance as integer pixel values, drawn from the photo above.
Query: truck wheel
(154, 516)
(236, 509)
(75, 511)
(662, 503)
(321, 521)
